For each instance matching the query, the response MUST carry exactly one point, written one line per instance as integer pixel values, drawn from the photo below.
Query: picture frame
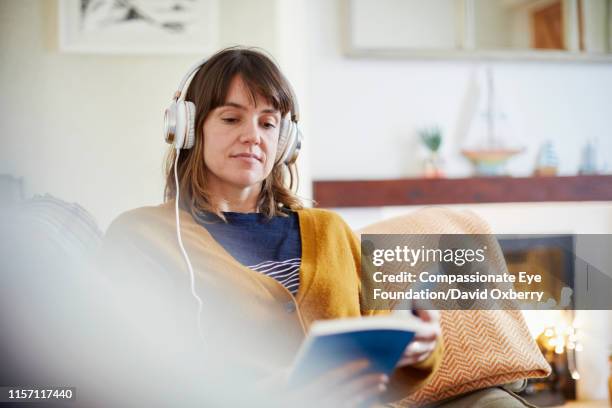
(138, 26)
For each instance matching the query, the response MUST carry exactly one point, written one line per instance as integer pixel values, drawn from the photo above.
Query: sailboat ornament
(489, 158)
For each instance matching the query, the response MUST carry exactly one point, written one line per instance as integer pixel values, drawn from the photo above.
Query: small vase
(432, 166)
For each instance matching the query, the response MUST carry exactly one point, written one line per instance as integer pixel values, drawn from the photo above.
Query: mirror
(532, 29)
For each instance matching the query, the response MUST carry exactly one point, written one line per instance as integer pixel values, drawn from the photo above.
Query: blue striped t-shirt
(272, 247)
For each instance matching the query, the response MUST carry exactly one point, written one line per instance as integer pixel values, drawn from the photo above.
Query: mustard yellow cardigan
(244, 310)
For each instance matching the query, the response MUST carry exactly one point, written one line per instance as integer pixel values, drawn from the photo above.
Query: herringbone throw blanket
(482, 348)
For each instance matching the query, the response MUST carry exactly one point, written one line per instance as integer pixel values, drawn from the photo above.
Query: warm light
(560, 337)
(538, 321)
(561, 328)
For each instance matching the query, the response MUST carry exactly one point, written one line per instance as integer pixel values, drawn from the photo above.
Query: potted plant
(432, 140)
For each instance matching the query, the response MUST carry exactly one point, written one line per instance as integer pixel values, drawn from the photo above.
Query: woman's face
(240, 139)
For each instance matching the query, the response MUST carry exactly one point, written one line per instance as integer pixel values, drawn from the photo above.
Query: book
(336, 342)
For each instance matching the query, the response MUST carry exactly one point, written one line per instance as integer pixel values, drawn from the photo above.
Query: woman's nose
(251, 132)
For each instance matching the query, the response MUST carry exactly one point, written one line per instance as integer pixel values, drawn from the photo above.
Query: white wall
(366, 111)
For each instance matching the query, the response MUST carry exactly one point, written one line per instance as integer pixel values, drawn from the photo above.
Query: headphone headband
(186, 81)
(187, 78)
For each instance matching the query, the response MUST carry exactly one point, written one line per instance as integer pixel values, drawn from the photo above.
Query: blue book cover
(332, 343)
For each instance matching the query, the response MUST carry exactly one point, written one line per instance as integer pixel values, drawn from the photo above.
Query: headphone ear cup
(170, 123)
(190, 110)
(289, 141)
(179, 124)
(294, 144)
(283, 136)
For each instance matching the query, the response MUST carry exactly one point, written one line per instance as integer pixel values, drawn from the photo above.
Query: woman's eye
(269, 125)
(229, 120)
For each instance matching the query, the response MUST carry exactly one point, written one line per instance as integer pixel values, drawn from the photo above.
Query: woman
(261, 266)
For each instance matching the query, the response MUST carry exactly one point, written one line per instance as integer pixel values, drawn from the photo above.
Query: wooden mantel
(375, 193)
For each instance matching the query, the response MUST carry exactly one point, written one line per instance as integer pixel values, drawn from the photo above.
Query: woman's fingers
(412, 359)
(424, 315)
(416, 352)
(359, 389)
(327, 383)
(368, 395)
(429, 316)
(344, 373)
(345, 385)
(417, 347)
(432, 318)
(426, 337)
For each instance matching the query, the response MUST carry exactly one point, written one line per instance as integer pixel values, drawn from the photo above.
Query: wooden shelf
(375, 193)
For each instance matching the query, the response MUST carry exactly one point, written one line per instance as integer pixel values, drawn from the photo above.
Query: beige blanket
(483, 348)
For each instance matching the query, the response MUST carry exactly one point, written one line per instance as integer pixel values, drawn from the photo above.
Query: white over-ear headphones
(179, 122)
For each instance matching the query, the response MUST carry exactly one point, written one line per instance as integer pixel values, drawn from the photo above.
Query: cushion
(482, 348)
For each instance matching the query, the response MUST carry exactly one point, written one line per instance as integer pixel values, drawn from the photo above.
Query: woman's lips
(247, 156)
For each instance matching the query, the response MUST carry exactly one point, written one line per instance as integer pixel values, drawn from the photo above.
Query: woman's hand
(424, 342)
(345, 386)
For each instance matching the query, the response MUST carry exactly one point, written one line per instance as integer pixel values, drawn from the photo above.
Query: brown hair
(207, 91)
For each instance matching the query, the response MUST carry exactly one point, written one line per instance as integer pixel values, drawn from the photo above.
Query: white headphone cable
(180, 242)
